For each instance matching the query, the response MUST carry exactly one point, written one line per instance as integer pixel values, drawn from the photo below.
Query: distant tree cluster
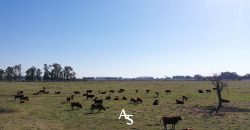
(221, 76)
(54, 72)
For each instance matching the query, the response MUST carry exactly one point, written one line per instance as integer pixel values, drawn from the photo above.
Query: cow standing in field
(76, 92)
(184, 98)
(90, 96)
(112, 91)
(136, 91)
(179, 102)
(89, 91)
(170, 120)
(121, 90)
(76, 104)
(124, 98)
(18, 96)
(97, 106)
(200, 91)
(208, 91)
(58, 92)
(156, 102)
(116, 98)
(168, 91)
(72, 97)
(25, 98)
(68, 99)
(147, 91)
(104, 92)
(108, 98)
(98, 101)
(19, 92)
(157, 93)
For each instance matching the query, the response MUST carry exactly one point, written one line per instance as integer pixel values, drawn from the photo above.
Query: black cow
(104, 92)
(225, 101)
(19, 92)
(89, 91)
(76, 104)
(18, 96)
(156, 102)
(133, 100)
(179, 102)
(72, 97)
(139, 100)
(108, 98)
(121, 91)
(97, 106)
(184, 98)
(111, 91)
(90, 96)
(37, 93)
(168, 91)
(98, 101)
(200, 91)
(208, 91)
(170, 120)
(136, 91)
(147, 91)
(116, 98)
(58, 92)
(22, 101)
(214, 88)
(76, 92)
(68, 99)
(25, 98)
(157, 93)
(124, 98)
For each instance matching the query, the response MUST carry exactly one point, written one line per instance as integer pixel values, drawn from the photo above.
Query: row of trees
(221, 76)
(54, 72)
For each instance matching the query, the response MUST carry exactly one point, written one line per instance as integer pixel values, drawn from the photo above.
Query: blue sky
(127, 38)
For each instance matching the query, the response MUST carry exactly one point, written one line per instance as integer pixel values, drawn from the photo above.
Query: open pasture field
(51, 111)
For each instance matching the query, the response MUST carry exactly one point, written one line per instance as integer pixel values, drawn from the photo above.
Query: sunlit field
(51, 111)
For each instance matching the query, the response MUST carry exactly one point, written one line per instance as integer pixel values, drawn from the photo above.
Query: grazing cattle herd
(98, 103)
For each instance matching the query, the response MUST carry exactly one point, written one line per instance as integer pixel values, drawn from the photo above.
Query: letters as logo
(127, 117)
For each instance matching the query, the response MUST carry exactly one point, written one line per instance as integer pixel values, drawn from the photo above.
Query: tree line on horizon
(54, 72)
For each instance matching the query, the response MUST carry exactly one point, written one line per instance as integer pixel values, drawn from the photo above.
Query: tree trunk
(219, 96)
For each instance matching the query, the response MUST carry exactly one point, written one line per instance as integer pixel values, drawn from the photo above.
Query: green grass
(51, 112)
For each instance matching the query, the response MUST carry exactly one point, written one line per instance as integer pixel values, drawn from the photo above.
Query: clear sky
(127, 38)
